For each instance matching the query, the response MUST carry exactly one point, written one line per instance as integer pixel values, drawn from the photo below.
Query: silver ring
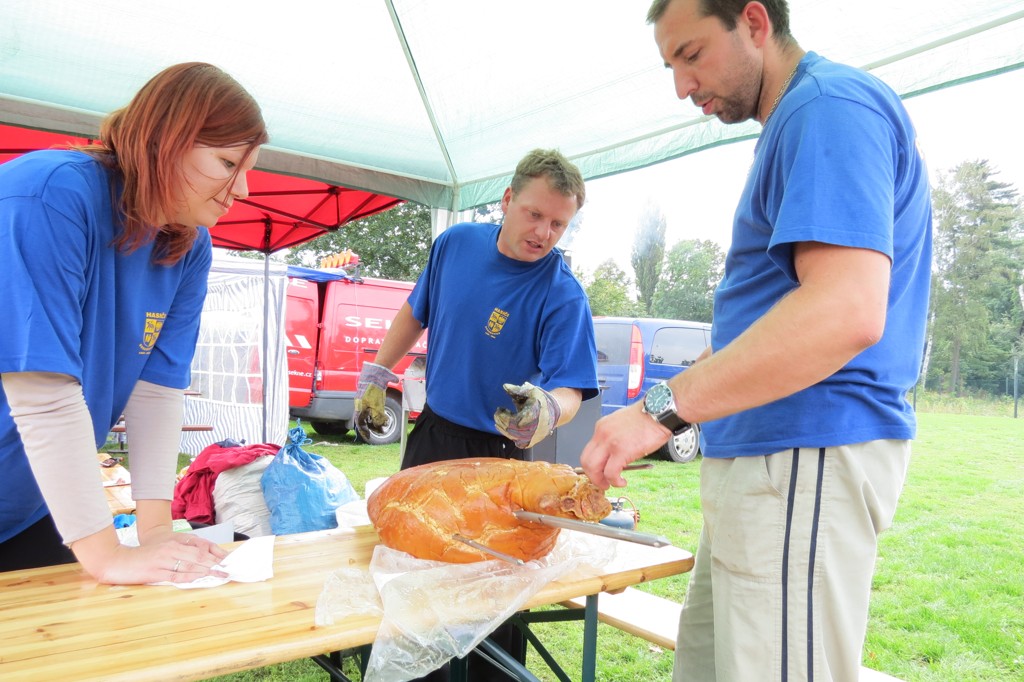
(177, 564)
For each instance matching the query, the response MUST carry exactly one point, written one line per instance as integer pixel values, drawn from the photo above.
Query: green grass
(948, 600)
(947, 403)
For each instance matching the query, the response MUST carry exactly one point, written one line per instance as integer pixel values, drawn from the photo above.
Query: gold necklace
(782, 91)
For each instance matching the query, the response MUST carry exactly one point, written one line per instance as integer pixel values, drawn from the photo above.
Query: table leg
(458, 669)
(331, 663)
(501, 658)
(590, 639)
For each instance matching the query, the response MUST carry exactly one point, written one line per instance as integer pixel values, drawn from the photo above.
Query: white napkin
(250, 562)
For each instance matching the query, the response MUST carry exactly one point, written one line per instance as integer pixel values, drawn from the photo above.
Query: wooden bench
(639, 613)
(122, 443)
(656, 619)
(120, 428)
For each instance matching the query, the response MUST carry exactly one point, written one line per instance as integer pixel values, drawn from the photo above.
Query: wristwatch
(661, 405)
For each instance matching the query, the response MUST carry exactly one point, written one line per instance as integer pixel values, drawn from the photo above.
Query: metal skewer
(487, 550)
(594, 529)
(628, 467)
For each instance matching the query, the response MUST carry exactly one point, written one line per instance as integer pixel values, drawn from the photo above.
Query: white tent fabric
(436, 100)
(234, 363)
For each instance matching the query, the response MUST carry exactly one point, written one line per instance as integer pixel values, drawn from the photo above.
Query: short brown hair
(145, 141)
(562, 173)
(728, 10)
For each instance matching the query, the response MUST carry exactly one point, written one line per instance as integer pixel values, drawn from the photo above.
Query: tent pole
(266, 336)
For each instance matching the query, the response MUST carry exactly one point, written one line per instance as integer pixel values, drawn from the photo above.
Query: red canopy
(281, 210)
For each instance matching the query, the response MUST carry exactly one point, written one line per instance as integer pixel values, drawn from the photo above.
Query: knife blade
(594, 529)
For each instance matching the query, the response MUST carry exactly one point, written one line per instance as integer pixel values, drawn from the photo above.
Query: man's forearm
(404, 332)
(569, 401)
(810, 334)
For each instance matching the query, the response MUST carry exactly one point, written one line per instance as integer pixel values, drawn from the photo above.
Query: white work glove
(537, 414)
(370, 393)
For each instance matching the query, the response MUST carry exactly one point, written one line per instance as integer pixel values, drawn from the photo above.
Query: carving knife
(594, 529)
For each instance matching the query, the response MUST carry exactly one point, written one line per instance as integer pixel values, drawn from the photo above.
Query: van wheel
(684, 447)
(390, 433)
(329, 428)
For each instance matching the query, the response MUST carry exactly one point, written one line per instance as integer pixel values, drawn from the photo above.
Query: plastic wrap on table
(347, 593)
(434, 611)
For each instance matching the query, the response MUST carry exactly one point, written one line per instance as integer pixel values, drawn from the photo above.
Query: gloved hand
(537, 414)
(370, 392)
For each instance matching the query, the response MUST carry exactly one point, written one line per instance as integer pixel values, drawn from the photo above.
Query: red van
(334, 322)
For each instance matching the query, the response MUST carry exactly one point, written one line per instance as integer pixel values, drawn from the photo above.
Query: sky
(698, 193)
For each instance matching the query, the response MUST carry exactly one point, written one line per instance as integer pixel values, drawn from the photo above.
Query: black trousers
(435, 439)
(38, 545)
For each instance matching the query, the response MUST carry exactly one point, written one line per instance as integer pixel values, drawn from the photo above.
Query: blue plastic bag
(303, 489)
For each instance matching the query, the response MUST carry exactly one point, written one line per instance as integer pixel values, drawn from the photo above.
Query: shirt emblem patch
(154, 323)
(496, 322)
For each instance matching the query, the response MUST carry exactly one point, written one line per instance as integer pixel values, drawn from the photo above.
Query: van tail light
(636, 365)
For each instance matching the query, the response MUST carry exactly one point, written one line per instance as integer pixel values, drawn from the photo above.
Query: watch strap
(672, 421)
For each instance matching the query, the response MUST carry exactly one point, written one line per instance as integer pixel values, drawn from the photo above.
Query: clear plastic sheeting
(434, 611)
(348, 593)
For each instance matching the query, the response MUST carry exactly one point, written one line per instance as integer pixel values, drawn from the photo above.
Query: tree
(608, 291)
(393, 244)
(691, 273)
(648, 252)
(976, 313)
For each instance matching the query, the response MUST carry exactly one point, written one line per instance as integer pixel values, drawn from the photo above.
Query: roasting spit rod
(487, 550)
(594, 529)
(628, 467)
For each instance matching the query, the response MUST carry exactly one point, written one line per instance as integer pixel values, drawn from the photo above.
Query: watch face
(658, 399)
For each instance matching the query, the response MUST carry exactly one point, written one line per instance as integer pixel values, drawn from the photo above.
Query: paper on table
(251, 562)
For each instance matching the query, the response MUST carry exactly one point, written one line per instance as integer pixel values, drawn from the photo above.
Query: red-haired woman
(104, 255)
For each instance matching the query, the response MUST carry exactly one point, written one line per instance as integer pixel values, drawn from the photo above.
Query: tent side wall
(227, 369)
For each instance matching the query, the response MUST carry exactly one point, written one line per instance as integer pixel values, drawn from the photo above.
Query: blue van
(633, 354)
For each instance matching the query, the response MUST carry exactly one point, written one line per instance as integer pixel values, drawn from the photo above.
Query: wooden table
(57, 623)
(117, 486)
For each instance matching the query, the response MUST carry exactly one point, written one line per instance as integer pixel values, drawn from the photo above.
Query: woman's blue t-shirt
(77, 306)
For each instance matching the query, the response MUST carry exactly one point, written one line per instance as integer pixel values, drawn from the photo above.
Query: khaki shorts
(783, 569)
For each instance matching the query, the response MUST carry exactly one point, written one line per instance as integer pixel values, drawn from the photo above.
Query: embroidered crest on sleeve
(154, 323)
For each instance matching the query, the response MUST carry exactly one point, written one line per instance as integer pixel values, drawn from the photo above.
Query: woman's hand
(161, 556)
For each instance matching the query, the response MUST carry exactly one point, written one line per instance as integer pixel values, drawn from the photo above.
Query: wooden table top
(58, 623)
(117, 486)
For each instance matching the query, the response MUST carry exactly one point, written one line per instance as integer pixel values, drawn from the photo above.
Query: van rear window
(613, 343)
(678, 346)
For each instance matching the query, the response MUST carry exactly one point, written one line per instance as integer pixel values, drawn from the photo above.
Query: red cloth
(193, 494)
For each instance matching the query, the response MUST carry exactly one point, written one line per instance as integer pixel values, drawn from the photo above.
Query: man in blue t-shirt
(817, 336)
(510, 328)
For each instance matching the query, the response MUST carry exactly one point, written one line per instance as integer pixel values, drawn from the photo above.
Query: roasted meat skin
(418, 510)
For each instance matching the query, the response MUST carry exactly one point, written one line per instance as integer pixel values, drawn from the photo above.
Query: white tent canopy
(435, 101)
